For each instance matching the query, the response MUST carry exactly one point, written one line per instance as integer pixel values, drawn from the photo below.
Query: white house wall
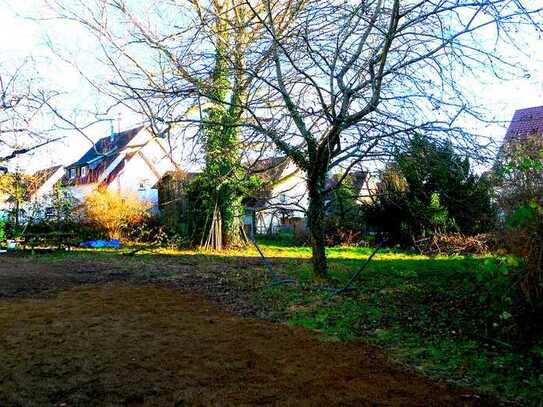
(140, 139)
(4, 206)
(289, 194)
(368, 191)
(157, 152)
(130, 179)
(42, 198)
(80, 192)
(138, 178)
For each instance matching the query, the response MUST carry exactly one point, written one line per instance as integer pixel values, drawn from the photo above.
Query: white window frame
(143, 184)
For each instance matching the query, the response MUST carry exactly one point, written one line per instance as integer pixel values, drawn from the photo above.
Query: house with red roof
(129, 162)
(525, 123)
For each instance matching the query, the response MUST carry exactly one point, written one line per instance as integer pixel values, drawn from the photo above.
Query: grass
(446, 316)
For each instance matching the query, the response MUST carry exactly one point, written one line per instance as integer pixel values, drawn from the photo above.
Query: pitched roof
(107, 146)
(270, 169)
(46, 173)
(40, 177)
(93, 173)
(114, 172)
(272, 172)
(525, 122)
(32, 183)
(177, 175)
(357, 178)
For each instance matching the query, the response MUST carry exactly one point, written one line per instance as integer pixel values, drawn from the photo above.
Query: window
(143, 184)
(71, 173)
(84, 171)
(49, 212)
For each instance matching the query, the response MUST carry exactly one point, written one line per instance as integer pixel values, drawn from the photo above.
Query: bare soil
(84, 332)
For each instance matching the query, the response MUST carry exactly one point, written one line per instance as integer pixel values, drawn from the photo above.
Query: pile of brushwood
(449, 244)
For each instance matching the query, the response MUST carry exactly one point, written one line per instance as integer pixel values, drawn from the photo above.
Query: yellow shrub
(114, 213)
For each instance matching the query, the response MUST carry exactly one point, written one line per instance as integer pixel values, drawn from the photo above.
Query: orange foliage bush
(114, 213)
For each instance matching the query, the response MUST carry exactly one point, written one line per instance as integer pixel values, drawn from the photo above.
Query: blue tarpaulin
(102, 244)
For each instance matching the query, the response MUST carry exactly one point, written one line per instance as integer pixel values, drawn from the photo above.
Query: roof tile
(106, 146)
(525, 122)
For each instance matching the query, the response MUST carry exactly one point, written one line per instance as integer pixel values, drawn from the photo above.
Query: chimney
(119, 117)
(112, 135)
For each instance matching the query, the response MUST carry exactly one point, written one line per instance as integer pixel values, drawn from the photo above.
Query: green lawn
(447, 316)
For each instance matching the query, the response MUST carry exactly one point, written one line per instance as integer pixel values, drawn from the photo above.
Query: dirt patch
(226, 282)
(124, 345)
(27, 276)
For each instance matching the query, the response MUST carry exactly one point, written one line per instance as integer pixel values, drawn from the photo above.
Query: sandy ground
(73, 338)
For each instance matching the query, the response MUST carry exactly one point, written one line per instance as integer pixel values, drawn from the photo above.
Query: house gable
(284, 187)
(141, 170)
(130, 162)
(102, 158)
(362, 183)
(45, 180)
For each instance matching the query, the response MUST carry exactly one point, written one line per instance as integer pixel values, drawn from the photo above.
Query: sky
(21, 37)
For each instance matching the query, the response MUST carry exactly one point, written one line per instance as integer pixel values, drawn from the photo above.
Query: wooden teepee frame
(214, 237)
(214, 240)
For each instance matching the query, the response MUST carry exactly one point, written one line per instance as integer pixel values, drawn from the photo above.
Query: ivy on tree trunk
(224, 175)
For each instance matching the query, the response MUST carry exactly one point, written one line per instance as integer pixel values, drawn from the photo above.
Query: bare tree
(187, 62)
(327, 83)
(351, 80)
(23, 104)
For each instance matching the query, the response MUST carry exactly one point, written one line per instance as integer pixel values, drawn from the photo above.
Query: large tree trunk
(224, 173)
(232, 213)
(316, 217)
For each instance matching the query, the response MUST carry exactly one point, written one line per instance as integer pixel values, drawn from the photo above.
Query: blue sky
(21, 37)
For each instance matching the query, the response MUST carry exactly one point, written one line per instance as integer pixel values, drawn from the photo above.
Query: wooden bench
(56, 240)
